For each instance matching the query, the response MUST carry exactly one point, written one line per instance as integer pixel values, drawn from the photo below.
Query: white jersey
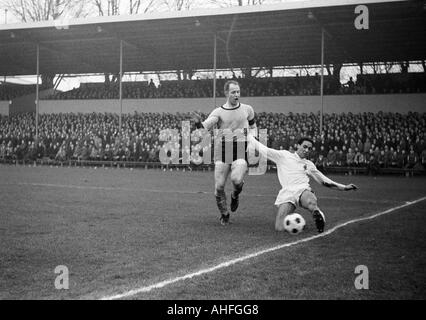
(293, 171)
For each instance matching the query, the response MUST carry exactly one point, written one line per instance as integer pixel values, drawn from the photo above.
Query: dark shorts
(238, 151)
(229, 151)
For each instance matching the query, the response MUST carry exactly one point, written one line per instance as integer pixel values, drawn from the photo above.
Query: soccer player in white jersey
(294, 171)
(233, 117)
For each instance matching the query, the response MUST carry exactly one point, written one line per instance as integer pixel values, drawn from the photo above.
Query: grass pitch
(119, 229)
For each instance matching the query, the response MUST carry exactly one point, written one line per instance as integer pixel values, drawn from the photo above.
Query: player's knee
(283, 210)
(219, 188)
(312, 204)
(220, 184)
(238, 169)
(237, 180)
(237, 177)
(279, 227)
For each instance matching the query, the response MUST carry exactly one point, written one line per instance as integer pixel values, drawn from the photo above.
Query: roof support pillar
(120, 88)
(214, 68)
(322, 81)
(37, 90)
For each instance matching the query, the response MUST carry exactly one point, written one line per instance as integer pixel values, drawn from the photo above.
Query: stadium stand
(276, 86)
(365, 142)
(9, 91)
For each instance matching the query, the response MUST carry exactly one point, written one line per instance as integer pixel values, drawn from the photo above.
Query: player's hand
(196, 116)
(350, 187)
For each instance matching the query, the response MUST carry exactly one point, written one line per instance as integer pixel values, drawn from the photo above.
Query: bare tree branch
(149, 6)
(39, 10)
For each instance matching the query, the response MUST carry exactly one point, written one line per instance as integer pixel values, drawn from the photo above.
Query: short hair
(228, 83)
(301, 140)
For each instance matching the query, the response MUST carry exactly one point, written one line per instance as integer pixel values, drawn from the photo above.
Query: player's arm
(252, 122)
(269, 153)
(211, 120)
(327, 182)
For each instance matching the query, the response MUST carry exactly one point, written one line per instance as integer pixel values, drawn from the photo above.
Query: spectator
(96, 135)
(359, 159)
(393, 163)
(350, 157)
(350, 85)
(423, 159)
(367, 145)
(253, 86)
(373, 165)
(411, 160)
(381, 159)
(402, 160)
(321, 163)
(331, 158)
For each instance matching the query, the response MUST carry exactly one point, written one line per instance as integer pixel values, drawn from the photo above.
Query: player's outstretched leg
(284, 209)
(221, 205)
(309, 201)
(235, 199)
(221, 174)
(238, 170)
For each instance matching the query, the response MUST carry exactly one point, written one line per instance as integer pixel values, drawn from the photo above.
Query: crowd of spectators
(11, 91)
(276, 86)
(202, 88)
(385, 83)
(373, 141)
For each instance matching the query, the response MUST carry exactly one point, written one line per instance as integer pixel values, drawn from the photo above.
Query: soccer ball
(294, 223)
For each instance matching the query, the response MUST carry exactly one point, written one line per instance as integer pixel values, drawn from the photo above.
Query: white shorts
(290, 196)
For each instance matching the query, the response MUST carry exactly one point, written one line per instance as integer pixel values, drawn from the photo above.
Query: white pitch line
(71, 186)
(228, 263)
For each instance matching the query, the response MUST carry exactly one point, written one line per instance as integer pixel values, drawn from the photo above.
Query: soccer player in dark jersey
(233, 119)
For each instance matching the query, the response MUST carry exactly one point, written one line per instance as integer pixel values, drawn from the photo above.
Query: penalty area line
(228, 263)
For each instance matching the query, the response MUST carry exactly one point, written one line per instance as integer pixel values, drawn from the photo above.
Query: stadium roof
(285, 34)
